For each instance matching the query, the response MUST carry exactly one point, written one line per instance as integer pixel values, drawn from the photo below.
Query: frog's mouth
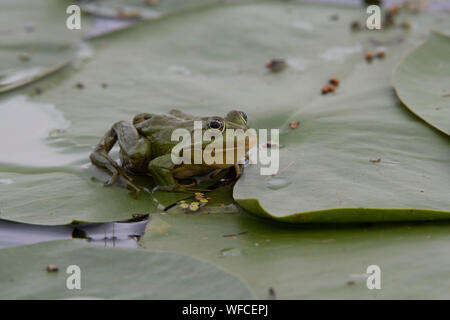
(232, 155)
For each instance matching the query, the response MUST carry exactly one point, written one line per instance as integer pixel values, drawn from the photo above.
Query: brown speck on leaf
(369, 56)
(276, 65)
(235, 234)
(294, 124)
(104, 85)
(375, 160)
(79, 85)
(406, 24)
(23, 57)
(129, 14)
(394, 9)
(272, 294)
(51, 268)
(334, 17)
(351, 283)
(355, 26)
(334, 81)
(380, 54)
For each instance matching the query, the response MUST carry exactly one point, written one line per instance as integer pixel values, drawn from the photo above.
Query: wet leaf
(325, 162)
(422, 81)
(307, 262)
(34, 40)
(108, 273)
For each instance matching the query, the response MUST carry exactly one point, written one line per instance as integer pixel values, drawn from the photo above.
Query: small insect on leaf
(294, 124)
(369, 56)
(334, 81)
(330, 89)
(375, 160)
(184, 205)
(325, 90)
(276, 65)
(380, 54)
(79, 85)
(51, 268)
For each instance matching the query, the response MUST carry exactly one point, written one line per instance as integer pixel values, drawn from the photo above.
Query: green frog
(146, 145)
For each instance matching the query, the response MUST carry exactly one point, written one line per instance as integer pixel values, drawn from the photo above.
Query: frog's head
(237, 121)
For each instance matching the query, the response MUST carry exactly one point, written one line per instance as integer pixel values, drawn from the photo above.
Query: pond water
(111, 234)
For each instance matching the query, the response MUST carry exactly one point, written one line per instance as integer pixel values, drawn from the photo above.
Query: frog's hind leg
(135, 152)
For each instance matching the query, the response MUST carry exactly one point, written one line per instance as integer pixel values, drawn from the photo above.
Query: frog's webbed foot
(119, 173)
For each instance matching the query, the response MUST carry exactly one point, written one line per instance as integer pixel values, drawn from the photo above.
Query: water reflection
(112, 234)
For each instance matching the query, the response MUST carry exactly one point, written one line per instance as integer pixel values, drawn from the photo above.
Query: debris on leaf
(51, 268)
(406, 24)
(23, 56)
(130, 14)
(235, 234)
(272, 294)
(380, 54)
(37, 90)
(369, 56)
(355, 26)
(375, 160)
(79, 85)
(334, 81)
(294, 124)
(276, 65)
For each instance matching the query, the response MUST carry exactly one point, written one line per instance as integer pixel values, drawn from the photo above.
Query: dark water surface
(111, 234)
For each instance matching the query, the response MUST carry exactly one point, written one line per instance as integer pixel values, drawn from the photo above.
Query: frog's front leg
(161, 170)
(135, 152)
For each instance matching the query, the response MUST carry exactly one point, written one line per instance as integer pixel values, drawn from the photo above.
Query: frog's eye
(244, 116)
(216, 123)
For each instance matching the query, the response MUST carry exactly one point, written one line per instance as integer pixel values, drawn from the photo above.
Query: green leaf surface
(422, 81)
(138, 9)
(108, 273)
(177, 62)
(307, 262)
(34, 40)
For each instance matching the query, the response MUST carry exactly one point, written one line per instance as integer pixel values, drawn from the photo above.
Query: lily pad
(422, 79)
(138, 9)
(111, 274)
(210, 70)
(286, 261)
(34, 40)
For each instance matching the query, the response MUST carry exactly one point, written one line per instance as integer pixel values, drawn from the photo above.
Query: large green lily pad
(108, 273)
(422, 80)
(178, 63)
(307, 262)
